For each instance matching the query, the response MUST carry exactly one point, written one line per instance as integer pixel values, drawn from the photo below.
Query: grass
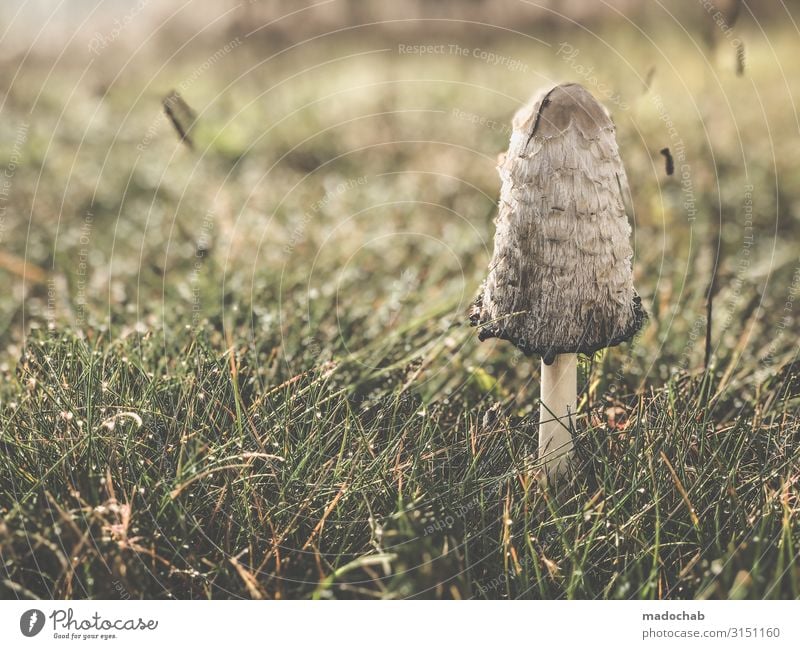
(244, 370)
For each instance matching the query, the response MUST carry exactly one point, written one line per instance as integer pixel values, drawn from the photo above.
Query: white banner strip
(400, 624)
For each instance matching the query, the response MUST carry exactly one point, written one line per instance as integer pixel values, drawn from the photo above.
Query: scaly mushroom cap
(560, 278)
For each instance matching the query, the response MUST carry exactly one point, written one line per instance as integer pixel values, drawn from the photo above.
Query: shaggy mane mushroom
(560, 280)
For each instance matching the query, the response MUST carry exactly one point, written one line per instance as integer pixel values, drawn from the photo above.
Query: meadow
(240, 365)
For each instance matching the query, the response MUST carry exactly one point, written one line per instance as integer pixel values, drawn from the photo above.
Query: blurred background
(341, 141)
(266, 220)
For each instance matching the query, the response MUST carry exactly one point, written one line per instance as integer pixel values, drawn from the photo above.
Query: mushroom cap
(560, 278)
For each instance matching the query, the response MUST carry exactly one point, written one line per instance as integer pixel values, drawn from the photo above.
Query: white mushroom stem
(557, 414)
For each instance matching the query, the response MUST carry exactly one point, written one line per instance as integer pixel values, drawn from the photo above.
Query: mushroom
(560, 282)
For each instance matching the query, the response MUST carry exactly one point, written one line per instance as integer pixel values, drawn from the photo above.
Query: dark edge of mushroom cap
(588, 346)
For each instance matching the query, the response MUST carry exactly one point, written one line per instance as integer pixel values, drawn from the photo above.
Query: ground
(244, 368)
